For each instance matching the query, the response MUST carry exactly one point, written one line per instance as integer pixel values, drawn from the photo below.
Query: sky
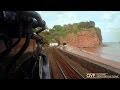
(107, 21)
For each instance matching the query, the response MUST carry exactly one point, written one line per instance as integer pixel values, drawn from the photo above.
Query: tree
(92, 23)
(57, 27)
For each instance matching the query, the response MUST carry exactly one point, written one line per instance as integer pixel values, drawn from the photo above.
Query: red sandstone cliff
(85, 38)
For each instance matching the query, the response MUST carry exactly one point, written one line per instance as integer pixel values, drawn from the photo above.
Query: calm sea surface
(110, 51)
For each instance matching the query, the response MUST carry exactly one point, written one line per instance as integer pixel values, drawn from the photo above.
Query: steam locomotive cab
(20, 47)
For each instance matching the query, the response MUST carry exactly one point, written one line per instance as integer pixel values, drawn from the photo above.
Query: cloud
(65, 18)
(110, 15)
(105, 19)
(59, 17)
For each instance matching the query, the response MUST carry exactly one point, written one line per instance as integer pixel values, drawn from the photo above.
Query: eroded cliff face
(85, 38)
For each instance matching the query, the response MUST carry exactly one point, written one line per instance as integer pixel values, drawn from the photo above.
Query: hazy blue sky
(107, 21)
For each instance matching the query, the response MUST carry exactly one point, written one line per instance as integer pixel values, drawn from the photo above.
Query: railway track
(65, 77)
(67, 70)
(66, 66)
(55, 68)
